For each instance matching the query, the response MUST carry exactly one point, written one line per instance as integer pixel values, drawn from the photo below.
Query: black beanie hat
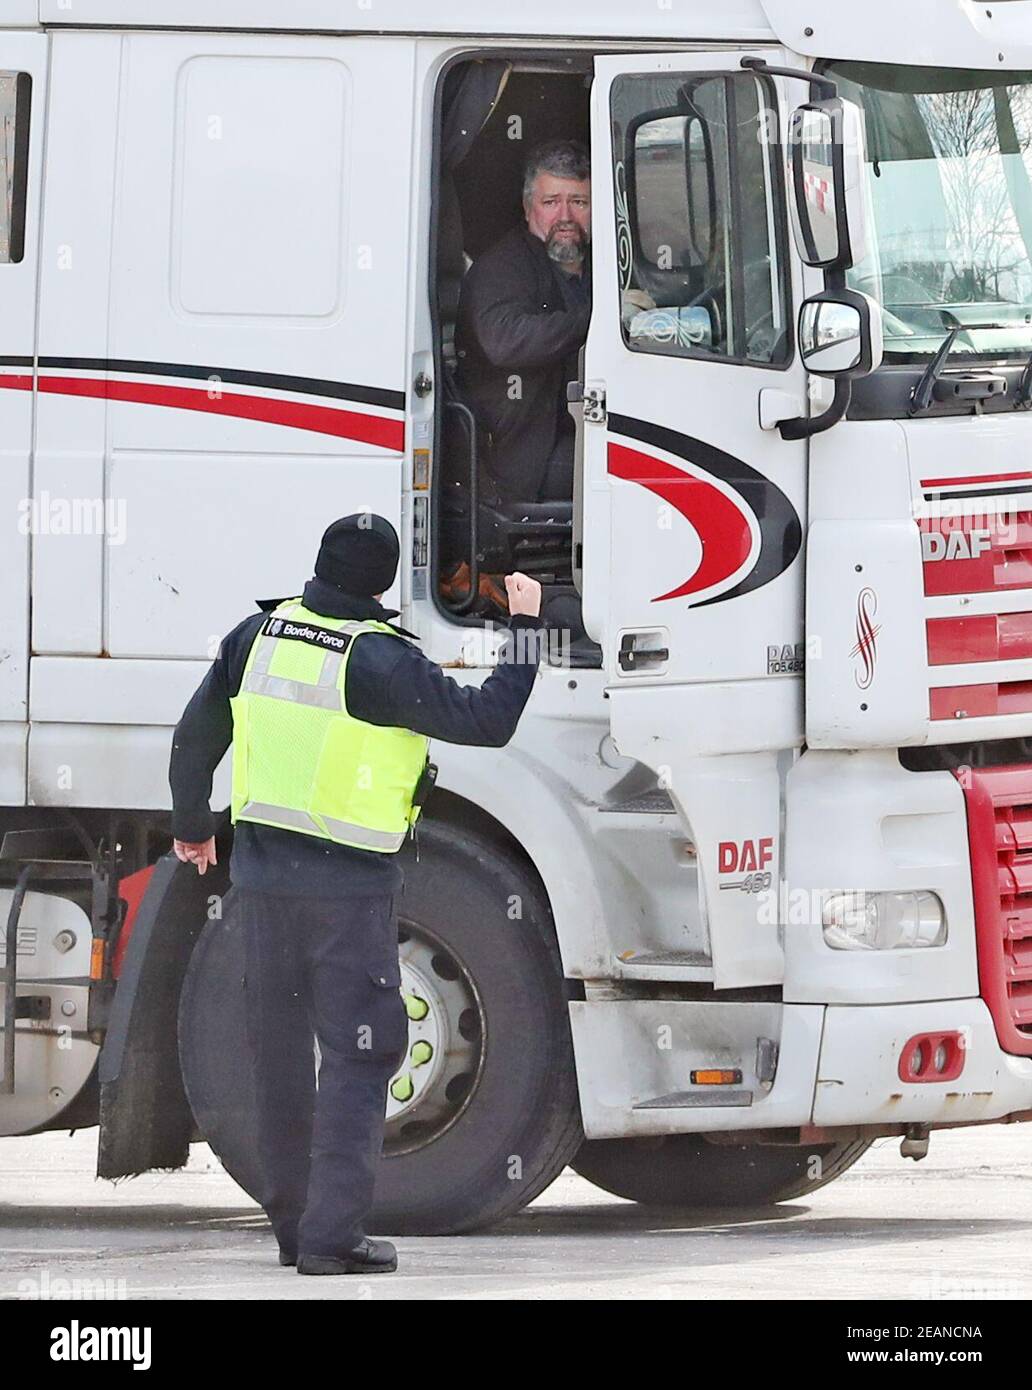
(359, 554)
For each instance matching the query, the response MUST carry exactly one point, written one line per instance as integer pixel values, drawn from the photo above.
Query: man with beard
(523, 315)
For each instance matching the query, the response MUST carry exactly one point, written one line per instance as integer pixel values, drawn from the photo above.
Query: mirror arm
(823, 87)
(802, 427)
(835, 280)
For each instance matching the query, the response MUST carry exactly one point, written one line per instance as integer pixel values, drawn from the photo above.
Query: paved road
(958, 1224)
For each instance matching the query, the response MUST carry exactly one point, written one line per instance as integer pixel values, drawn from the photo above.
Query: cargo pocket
(389, 1022)
(387, 974)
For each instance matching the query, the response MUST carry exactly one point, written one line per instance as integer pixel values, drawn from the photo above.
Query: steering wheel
(708, 300)
(761, 337)
(762, 334)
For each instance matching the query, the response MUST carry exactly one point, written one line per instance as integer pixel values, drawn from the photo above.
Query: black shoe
(368, 1257)
(287, 1257)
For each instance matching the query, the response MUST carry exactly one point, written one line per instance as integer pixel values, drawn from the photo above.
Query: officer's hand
(524, 594)
(202, 854)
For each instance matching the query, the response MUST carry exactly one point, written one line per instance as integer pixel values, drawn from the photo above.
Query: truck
(751, 887)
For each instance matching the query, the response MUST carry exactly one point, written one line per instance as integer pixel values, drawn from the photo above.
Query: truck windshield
(950, 178)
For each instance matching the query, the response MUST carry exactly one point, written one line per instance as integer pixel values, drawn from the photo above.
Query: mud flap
(145, 1118)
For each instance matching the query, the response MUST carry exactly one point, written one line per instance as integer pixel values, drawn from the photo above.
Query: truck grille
(962, 557)
(965, 555)
(999, 812)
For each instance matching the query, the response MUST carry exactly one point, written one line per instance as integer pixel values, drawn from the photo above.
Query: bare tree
(988, 256)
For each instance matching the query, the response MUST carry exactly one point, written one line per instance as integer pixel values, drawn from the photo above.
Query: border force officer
(329, 707)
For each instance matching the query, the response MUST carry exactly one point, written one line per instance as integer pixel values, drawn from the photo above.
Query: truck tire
(685, 1170)
(492, 1117)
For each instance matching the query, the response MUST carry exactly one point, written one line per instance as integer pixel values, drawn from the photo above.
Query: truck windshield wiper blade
(924, 392)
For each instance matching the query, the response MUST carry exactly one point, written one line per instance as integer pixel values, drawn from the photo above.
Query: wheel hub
(433, 1085)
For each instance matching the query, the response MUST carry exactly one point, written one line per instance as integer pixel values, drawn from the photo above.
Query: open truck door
(691, 501)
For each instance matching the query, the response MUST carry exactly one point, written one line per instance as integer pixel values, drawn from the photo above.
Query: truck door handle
(634, 658)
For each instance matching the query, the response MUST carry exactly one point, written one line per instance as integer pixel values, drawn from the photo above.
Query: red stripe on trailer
(15, 383)
(320, 419)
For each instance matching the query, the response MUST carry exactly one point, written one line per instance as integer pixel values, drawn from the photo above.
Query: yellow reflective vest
(300, 760)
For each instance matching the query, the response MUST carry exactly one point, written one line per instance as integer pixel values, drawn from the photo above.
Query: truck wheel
(483, 1114)
(685, 1170)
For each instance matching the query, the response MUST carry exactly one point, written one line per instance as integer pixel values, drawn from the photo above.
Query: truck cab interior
(491, 113)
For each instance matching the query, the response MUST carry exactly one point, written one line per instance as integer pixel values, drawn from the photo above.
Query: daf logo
(956, 545)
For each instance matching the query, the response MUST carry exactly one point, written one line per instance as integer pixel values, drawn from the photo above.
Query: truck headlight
(883, 921)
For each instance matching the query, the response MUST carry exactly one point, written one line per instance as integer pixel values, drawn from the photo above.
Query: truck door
(22, 107)
(691, 501)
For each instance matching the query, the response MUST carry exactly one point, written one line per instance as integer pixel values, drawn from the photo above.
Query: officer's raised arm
(422, 697)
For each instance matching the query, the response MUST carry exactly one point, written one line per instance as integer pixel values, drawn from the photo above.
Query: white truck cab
(748, 887)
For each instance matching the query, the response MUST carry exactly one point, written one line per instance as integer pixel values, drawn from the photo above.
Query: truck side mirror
(827, 168)
(840, 334)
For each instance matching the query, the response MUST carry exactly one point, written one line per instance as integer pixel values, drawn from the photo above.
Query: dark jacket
(521, 316)
(389, 682)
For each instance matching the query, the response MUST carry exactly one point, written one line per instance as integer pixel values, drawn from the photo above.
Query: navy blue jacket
(389, 682)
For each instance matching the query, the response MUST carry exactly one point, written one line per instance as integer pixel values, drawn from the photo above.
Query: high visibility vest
(300, 760)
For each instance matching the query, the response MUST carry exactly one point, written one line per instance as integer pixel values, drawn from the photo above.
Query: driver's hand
(635, 302)
(201, 853)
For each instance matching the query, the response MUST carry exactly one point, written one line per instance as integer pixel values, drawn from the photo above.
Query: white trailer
(750, 885)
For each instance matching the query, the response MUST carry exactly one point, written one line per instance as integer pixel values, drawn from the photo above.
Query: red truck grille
(991, 637)
(999, 812)
(968, 554)
(963, 557)
(974, 701)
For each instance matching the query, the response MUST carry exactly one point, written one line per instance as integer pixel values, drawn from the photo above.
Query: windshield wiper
(968, 386)
(924, 392)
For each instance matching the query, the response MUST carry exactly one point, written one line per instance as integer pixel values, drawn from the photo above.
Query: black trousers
(557, 484)
(556, 474)
(322, 968)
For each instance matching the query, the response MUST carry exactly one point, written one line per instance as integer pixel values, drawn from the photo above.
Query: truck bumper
(837, 1066)
(858, 1077)
(635, 1059)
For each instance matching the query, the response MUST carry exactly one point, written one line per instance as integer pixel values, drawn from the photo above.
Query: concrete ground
(956, 1225)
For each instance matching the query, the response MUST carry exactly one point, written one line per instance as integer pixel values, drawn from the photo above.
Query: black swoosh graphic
(233, 376)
